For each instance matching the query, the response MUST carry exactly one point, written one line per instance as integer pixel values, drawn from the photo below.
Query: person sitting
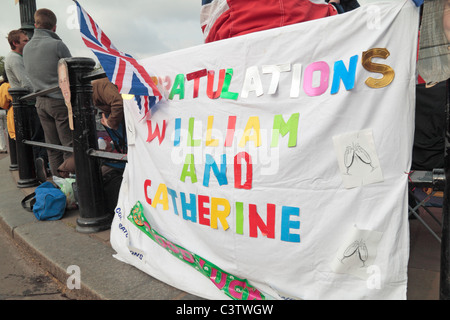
(106, 97)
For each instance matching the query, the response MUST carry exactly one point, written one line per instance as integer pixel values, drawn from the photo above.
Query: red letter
(202, 211)
(238, 171)
(209, 88)
(152, 135)
(147, 183)
(257, 223)
(196, 77)
(230, 131)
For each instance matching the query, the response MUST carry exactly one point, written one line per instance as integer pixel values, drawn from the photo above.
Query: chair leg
(415, 205)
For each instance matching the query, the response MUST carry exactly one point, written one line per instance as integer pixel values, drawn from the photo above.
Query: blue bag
(47, 202)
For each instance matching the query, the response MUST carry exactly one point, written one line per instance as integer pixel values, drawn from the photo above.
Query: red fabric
(419, 78)
(246, 16)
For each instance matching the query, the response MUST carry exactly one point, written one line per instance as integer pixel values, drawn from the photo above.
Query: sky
(141, 28)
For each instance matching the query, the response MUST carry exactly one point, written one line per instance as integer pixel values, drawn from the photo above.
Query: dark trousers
(37, 134)
(55, 123)
(429, 135)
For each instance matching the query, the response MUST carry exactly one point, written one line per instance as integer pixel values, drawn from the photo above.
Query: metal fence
(88, 159)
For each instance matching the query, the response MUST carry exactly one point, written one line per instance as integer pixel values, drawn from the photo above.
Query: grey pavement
(56, 246)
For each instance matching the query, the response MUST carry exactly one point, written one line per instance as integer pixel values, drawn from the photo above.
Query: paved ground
(23, 279)
(424, 261)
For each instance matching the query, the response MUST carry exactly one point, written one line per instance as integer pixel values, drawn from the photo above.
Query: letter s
(387, 72)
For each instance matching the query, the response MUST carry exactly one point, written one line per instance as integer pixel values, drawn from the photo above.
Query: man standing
(16, 74)
(41, 56)
(14, 66)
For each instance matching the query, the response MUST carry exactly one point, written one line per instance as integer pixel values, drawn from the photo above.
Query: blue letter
(220, 175)
(287, 224)
(176, 141)
(192, 207)
(173, 195)
(340, 72)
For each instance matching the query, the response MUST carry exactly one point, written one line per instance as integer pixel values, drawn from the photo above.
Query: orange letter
(387, 72)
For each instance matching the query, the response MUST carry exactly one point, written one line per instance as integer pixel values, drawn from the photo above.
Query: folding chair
(419, 201)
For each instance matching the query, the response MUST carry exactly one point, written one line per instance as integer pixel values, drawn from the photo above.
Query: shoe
(41, 172)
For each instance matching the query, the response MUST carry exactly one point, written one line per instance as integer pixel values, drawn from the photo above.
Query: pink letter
(233, 291)
(253, 293)
(187, 256)
(160, 241)
(324, 70)
(223, 278)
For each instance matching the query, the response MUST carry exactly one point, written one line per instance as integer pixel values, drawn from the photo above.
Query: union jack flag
(144, 104)
(120, 68)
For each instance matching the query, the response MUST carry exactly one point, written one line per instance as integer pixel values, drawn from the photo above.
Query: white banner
(277, 166)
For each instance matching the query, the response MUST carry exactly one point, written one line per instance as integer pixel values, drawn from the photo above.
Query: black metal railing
(92, 216)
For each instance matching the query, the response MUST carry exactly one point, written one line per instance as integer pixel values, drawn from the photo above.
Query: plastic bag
(65, 184)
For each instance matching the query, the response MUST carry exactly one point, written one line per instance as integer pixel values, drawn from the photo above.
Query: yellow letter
(161, 197)
(217, 214)
(252, 123)
(209, 141)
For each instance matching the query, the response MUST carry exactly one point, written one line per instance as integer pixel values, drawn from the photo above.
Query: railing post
(444, 290)
(25, 158)
(27, 9)
(13, 166)
(88, 173)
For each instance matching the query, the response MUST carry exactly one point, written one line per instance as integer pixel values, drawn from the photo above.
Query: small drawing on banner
(358, 249)
(357, 158)
(357, 252)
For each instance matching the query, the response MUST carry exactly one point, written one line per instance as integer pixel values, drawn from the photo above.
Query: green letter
(281, 127)
(178, 87)
(189, 169)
